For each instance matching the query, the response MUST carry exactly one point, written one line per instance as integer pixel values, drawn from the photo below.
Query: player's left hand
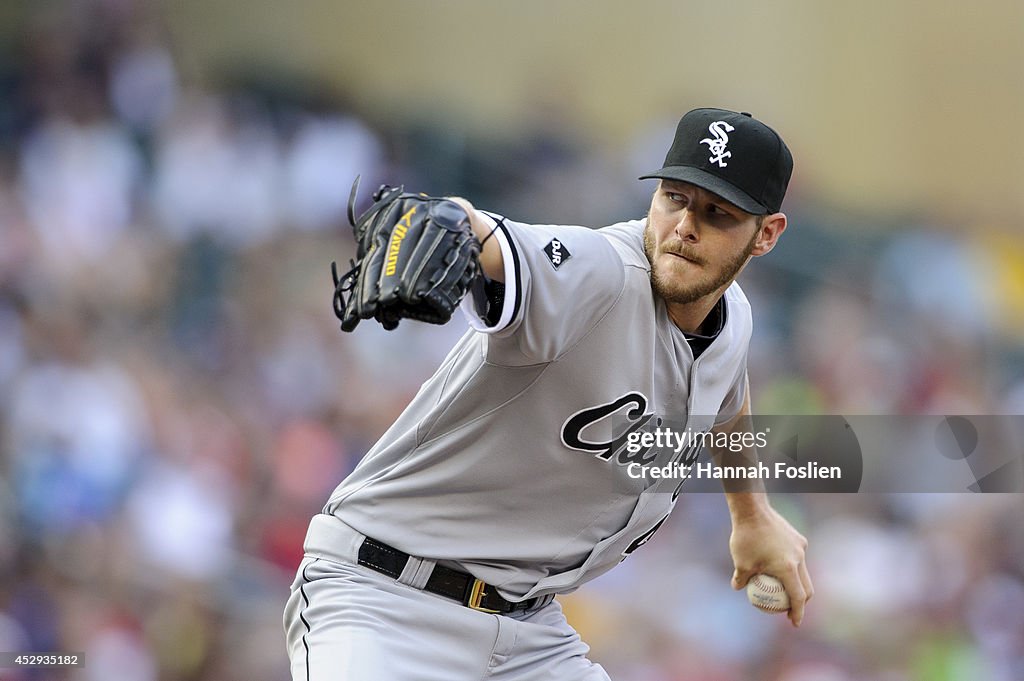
(765, 543)
(416, 258)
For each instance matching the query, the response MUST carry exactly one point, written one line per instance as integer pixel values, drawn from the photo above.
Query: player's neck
(689, 317)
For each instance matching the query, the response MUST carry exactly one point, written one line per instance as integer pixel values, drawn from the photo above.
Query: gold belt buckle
(476, 594)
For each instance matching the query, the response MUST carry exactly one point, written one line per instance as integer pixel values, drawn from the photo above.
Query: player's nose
(686, 226)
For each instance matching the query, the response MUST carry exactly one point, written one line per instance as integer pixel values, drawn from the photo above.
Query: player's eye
(717, 211)
(674, 197)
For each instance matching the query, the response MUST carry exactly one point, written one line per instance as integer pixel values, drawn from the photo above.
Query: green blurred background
(176, 400)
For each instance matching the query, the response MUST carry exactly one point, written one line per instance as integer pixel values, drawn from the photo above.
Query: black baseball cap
(730, 154)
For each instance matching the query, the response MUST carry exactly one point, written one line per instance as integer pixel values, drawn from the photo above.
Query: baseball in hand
(767, 593)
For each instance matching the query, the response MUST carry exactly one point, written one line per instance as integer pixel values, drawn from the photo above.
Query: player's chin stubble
(675, 291)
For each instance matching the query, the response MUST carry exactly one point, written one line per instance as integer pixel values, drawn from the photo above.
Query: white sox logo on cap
(717, 145)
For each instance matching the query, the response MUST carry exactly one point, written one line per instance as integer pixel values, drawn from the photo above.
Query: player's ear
(768, 234)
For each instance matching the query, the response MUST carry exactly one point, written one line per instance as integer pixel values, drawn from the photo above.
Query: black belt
(443, 581)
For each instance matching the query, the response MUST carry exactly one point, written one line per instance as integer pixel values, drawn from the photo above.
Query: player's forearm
(747, 505)
(490, 255)
(741, 481)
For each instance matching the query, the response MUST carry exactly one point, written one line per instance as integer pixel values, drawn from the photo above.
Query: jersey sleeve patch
(557, 253)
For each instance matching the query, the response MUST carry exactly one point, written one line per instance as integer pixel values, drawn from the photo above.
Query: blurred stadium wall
(889, 105)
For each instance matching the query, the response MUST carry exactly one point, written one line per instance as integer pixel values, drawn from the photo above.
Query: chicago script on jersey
(636, 416)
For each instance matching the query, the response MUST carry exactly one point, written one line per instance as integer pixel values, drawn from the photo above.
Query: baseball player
(504, 482)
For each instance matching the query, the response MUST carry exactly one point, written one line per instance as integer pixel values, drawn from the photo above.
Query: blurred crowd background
(176, 400)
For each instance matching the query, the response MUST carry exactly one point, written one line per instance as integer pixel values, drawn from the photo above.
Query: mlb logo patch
(557, 253)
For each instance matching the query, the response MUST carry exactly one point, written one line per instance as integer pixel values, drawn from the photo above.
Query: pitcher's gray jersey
(504, 464)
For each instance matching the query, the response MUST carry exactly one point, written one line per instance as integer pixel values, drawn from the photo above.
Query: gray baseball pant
(346, 622)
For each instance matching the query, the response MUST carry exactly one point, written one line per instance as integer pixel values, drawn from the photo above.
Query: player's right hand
(765, 542)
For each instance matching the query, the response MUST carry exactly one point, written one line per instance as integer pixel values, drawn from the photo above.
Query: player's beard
(684, 293)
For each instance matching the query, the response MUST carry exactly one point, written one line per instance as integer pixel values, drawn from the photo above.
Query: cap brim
(712, 183)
